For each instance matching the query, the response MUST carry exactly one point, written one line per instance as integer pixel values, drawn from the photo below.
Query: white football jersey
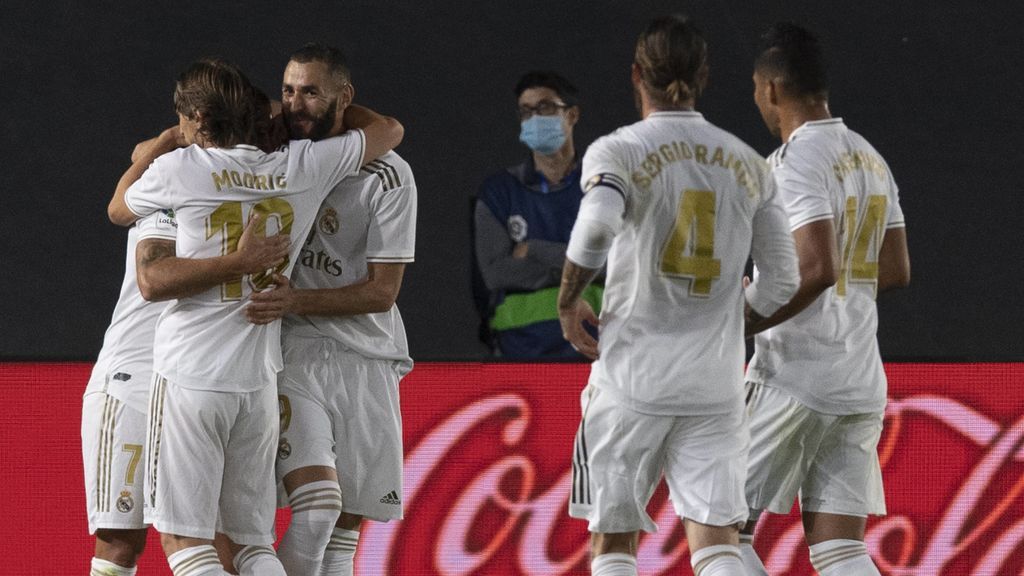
(124, 366)
(370, 217)
(671, 336)
(827, 355)
(204, 341)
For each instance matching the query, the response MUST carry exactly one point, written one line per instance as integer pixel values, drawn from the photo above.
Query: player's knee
(347, 521)
(613, 543)
(122, 547)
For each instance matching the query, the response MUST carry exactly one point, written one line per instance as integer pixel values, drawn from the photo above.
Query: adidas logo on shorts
(391, 498)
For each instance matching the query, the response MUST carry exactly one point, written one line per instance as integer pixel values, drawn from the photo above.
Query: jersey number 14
(864, 231)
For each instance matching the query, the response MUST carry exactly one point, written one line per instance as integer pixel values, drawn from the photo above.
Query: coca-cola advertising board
(487, 477)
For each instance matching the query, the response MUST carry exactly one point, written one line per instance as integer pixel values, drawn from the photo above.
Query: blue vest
(526, 323)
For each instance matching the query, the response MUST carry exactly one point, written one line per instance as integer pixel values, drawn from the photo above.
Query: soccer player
(676, 205)
(114, 418)
(114, 404)
(213, 419)
(340, 454)
(816, 389)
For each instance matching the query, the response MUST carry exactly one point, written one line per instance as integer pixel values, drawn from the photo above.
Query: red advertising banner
(487, 477)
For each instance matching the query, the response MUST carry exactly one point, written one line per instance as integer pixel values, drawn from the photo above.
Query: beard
(320, 125)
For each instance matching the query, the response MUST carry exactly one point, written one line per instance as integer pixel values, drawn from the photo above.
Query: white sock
(751, 561)
(614, 564)
(196, 561)
(258, 561)
(720, 560)
(315, 509)
(842, 557)
(101, 567)
(341, 553)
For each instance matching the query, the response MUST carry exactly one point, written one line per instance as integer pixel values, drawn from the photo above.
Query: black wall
(935, 86)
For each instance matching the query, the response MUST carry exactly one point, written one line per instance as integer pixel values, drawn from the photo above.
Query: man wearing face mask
(524, 216)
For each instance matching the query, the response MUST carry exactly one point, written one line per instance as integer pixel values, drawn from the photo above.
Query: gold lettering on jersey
(231, 178)
(701, 153)
(667, 154)
(859, 160)
(718, 157)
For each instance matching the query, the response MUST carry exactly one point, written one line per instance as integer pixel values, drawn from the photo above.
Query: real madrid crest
(125, 502)
(328, 223)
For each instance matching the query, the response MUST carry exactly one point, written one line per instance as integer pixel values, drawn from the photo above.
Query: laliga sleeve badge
(125, 502)
(284, 449)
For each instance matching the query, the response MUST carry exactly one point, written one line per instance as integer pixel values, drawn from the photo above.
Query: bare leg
(122, 547)
(714, 550)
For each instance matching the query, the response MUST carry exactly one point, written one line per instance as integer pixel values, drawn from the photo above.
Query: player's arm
(144, 154)
(162, 275)
(893, 260)
(382, 133)
(376, 293)
(599, 220)
(818, 258)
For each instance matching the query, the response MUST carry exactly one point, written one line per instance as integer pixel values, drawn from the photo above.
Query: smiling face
(312, 101)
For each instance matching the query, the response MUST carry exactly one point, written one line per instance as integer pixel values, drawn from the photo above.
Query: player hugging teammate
(211, 433)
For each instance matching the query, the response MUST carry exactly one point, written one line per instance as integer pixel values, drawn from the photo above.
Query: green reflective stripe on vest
(523, 309)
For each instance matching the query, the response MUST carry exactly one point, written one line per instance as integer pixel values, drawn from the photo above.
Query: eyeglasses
(543, 108)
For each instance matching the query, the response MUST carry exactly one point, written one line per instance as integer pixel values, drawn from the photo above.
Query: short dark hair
(547, 79)
(670, 53)
(219, 95)
(333, 57)
(793, 54)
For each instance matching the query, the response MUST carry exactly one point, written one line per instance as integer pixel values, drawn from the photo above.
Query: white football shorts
(210, 462)
(620, 455)
(113, 442)
(341, 409)
(830, 461)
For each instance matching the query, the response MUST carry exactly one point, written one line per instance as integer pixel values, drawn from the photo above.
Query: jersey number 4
(689, 251)
(227, 220)
(864, 231)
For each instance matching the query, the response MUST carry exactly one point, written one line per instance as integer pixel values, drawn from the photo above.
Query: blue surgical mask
(543, 134)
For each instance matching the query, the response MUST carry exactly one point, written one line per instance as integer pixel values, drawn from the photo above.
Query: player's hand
(259, 253)
(265, 307)
(572, 320)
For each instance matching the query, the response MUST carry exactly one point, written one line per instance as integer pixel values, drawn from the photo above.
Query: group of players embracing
(256, 344)
(241, 230)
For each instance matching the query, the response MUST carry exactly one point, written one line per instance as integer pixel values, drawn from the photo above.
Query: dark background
(934, 86)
